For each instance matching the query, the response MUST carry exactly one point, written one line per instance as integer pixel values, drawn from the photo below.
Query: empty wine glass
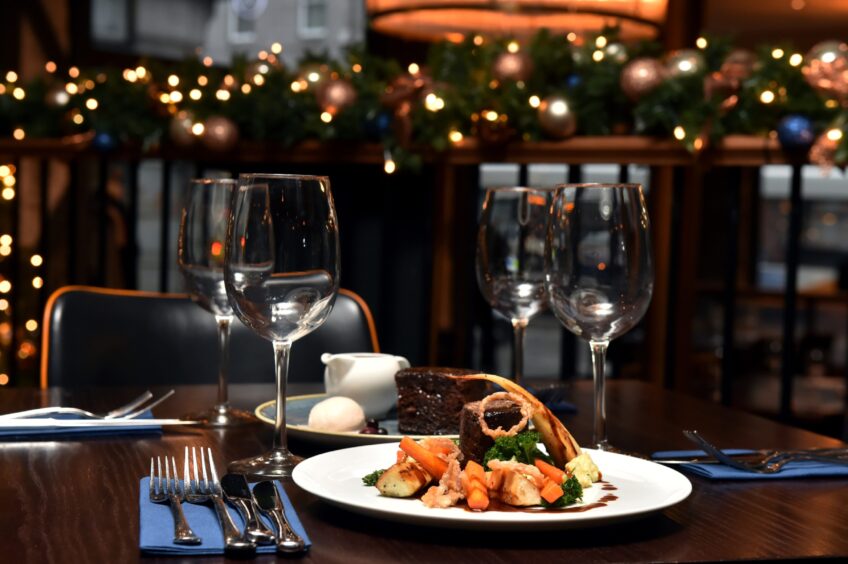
(200, 255)
(282, 276)
(511, 258)
(600, 274)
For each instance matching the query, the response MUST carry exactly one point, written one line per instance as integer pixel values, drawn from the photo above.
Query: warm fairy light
(455, 136)
(5, 240)
(37, 282)
(50, 67)
(571, 37)
(834, 134)
(36, 260)
(222, 94)
(276, 48)
(297, 86)
(326, 117)
(73, 72)
(534, 101)
(263, 68)
(796, 59)
(207, 61)
(478, 40)
(140, 72)
(9, 180)
(229, 80)
(8, 194)
(2, 88)
(777, 53)
(5, 287)
(198, 129)
(513, 47)
(356, 67)
(19, 135)
(5, 251)
(679, 133)
(202, 80)
(4, 305)
(413, 68)
(245, 88)
(601, 42)
(71, 88)
(173, 80)
(11, 76)
(130, 75)
(272, 59)
(78, 119)
(164, 98)
(701, 43)
(698, 144)
(91, 104)
(262, 55)
(313, 76)
(217, 248)
(491, 115)
(5, 170)
(493, 84)
(831, 103)
(195, 94)
(176, 97)
(389, 165)
(89, 83)
(19, 93)
(258, 79)
(598, 56)
(31, 325)
(433, 102)
(767, 97)
(4, 379)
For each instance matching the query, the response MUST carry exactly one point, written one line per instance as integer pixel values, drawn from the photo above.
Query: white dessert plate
(297, 417)
(641, 487)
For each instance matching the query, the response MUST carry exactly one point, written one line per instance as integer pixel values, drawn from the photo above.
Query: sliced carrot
(551, 491)
(401, 456)
(434, 465)
(473, 480)
(475, 471)
(477, 499)
(550, 471)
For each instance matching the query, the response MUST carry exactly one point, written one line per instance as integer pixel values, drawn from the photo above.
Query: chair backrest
(102, 337)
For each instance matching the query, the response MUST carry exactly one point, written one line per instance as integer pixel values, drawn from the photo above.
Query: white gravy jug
(367, 378)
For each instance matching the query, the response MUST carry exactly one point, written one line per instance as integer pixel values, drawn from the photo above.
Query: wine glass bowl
(599, 269)
(282, 276)
(200, 256)
(510, 261)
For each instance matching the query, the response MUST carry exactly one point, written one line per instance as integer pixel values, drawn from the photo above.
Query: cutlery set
(201, 486)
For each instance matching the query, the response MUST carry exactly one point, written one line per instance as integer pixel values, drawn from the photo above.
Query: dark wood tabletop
(75, 500)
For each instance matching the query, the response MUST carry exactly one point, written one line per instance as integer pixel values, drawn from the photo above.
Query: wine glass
(511, 258)
(200, 254)
(600, 274)
(281, 270)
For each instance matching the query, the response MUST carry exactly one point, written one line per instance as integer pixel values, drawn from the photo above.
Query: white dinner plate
(641, 487)
(297, 416)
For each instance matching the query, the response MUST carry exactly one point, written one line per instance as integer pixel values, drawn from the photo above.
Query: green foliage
(371, 479)
(572, 492)
(522, 447)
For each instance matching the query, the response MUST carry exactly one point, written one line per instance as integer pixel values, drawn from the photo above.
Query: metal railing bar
(731, 256)
(165, 231)
(790, 291)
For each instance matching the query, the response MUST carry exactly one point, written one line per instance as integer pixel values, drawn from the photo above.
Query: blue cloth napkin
(799, 469)
(87, 431)
(156, 525)
(551, 397)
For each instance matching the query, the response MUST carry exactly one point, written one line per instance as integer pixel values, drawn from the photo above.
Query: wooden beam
(44, 31)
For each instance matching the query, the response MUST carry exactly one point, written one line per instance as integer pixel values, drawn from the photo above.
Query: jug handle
(402, 362)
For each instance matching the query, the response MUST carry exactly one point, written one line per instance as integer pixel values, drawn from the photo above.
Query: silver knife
(38, 423)
(838, 452)
(237, 492)
(268, 500)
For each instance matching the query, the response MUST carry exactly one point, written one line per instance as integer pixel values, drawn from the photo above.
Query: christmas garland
(495, 90)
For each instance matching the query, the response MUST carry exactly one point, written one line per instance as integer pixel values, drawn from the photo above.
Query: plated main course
(497, 463)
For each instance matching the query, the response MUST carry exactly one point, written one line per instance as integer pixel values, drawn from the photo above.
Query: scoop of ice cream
(337, 414)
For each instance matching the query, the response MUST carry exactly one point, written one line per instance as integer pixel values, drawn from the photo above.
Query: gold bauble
(640, 76)
(219, 133)
(616, 52)
(180, 129)
(684, 62)
(556, 117)
(335, 94)
(826, 68)
(512, 66)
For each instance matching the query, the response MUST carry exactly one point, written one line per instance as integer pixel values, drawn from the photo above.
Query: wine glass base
(273, 465)
(222, 416)
(606, 447)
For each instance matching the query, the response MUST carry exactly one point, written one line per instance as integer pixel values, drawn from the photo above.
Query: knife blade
(37, 423)
(237, 492)
(754, 455)
(268, 500)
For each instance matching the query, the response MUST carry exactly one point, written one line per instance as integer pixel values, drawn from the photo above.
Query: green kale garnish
(371, 479)
(521, 448)
(572, 492)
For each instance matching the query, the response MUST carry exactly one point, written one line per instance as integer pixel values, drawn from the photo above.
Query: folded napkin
(156, 525)
(552, 397)
(713, 471)
(89, 430)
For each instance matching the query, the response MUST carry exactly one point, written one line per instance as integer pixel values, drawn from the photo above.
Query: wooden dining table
(75, 500)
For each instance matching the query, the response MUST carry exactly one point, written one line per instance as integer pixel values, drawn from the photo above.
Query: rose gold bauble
(219, 133)
(404, 88)
(180, 129)
(556, 117)
(616, 52)
(826, 68)
(717, 86)
(512, 66)
(335, 95)
(738, 65)
(640, 76)
(684, 62)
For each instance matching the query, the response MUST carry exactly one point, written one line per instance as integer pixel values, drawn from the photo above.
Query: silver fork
(115, 413)
(169, 492)
(768, 465)
(197, 491)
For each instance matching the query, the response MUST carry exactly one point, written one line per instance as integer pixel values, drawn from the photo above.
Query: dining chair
(101, 337)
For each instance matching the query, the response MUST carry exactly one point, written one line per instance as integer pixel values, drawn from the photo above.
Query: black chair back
(104, 337)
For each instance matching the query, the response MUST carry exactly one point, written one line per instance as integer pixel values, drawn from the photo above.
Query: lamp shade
(434, 20)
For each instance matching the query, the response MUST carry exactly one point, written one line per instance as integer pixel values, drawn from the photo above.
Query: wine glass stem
(599, 354)
(519, 327)
(282, 350)
(223, 356)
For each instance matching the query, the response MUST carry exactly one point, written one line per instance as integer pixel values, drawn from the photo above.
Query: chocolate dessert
(503, 413)
(429, 402)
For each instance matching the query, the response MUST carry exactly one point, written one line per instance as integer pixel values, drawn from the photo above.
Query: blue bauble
(574, 81)
(377, 126)
(796, 132)
(104, 141)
